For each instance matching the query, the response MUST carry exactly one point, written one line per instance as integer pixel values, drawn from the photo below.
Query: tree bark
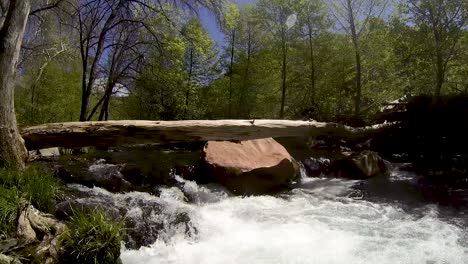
(440, 69)
(283, 74)
(231, 74)
(89, 77)
(110, 133)
(312, 90)
(189, 81)
(244, 106)
(12, 150)
(355, 40)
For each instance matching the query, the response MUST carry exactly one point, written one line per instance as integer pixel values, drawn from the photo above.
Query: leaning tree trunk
(12, 150)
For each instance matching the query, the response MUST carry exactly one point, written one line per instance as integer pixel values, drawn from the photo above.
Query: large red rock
(250, 167)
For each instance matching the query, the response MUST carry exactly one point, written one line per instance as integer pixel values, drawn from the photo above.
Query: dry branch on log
(110, 133)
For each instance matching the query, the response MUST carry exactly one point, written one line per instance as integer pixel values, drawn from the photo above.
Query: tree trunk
(88, 84)
(312, 63)
(283, 76)
(104, 114)
(355, 40)
(440, 69)
(12, 151)
(111, 133)
(189, 81)
(244, 105)
(231, 66)
(357, 106)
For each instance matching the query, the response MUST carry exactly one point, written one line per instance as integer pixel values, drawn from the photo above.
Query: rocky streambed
(230, 206)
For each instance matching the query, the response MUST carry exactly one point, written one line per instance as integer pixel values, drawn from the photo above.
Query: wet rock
(102, 172)
(65, 209)
(316, 167)
(99, 174)
(133, 174)
(249, 167)
(8, 244)
(4, 259)
(186, 172)
(362, 165)
(146, 217)
(63, 174)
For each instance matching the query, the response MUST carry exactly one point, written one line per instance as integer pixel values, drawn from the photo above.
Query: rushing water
(320, 221)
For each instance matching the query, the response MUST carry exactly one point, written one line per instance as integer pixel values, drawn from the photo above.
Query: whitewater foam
(306, 226)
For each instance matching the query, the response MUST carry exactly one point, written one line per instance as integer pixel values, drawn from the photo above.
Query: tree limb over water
(110, 133)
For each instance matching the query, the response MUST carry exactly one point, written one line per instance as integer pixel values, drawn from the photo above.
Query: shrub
(92, 238)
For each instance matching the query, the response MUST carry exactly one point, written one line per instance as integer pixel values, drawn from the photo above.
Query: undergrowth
(35, 185)
(8, 209)
(92, 238)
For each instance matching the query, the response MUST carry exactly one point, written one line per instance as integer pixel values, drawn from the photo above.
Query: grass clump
(8, 209)
(92, 238)
(35, 185)
(40, 188)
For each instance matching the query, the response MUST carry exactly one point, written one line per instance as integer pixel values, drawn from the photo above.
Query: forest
(233, 131)
(295, 59)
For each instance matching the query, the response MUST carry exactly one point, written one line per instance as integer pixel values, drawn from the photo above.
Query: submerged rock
(249, 167)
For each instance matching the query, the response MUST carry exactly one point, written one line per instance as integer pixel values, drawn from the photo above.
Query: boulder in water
(147, 218)
(316, 167)
(249, 167)
(362, 165)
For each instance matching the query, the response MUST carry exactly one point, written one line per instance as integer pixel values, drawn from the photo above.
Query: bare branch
(46, 7)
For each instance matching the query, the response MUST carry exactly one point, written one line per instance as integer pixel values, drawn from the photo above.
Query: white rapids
(317, 224)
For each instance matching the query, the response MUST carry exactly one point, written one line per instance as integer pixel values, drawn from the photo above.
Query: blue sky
(210, 23)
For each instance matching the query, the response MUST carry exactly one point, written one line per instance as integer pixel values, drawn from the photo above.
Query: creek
(321, 220)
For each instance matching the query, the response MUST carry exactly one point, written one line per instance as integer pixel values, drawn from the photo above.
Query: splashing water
(317, 223)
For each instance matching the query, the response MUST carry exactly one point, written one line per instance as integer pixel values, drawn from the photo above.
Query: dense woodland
(100, 60)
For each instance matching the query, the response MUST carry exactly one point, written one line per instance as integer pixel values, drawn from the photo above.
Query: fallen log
(130, 132)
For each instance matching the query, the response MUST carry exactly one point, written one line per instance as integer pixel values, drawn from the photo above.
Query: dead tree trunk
(12, 150)
(110, 133)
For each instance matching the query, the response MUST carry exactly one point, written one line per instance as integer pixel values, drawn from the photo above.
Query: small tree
(353, 17)
(441, 23)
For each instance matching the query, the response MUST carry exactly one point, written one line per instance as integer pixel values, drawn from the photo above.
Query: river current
(322, 220)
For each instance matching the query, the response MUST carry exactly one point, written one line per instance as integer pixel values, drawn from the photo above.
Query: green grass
(40, 188)
(35, 185)
(92, 238)
(8, 209)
